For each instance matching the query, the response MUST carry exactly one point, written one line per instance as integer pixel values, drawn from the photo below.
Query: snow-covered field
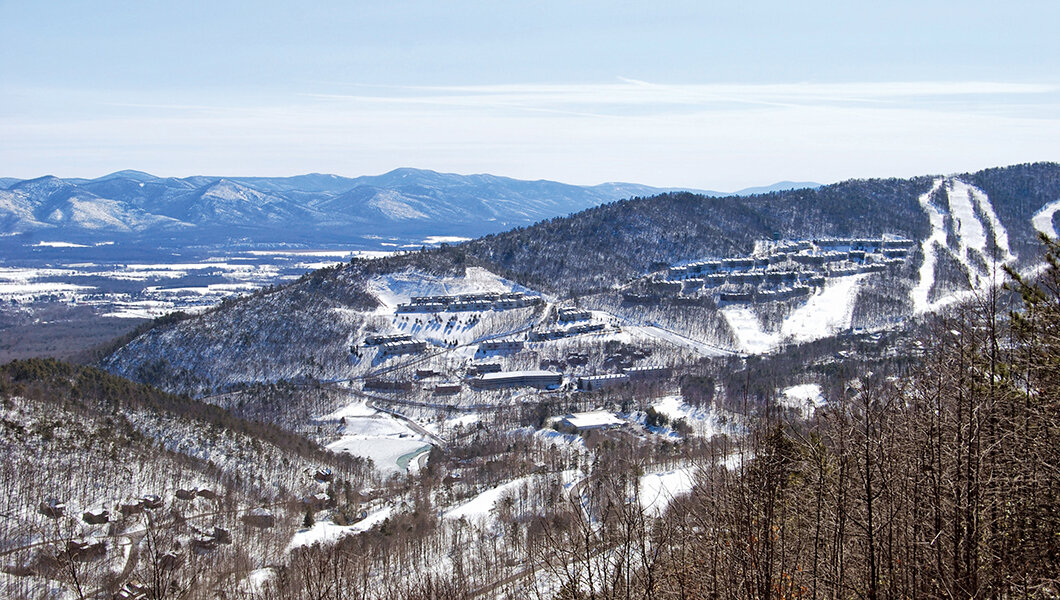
(826, 313)
(750, 335)
(705, 421)
(657, 490)
(134, 283)
(388, 441)
(480, 507)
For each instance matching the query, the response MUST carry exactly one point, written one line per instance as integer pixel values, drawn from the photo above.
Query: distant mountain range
(314, 208)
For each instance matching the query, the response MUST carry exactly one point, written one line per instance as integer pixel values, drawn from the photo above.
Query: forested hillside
(610, 243)
(106, 480)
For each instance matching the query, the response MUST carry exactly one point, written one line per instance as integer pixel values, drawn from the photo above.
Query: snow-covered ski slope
(826, 313)
(964, 226)
(976, 231)
(1043, 219)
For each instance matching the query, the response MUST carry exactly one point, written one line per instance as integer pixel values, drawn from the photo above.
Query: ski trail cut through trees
(983, 234)
(922, 291)
(1043, 219)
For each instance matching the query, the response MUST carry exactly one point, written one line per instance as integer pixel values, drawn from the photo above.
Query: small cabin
(260, 518)
(52, 508)
(96, 516)
(316, 501)
(86, 550)
(131, 506)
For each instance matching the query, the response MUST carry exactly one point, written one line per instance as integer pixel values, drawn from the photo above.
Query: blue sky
(717, 95)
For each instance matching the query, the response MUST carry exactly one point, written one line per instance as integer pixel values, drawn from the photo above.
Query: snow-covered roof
(593, 419)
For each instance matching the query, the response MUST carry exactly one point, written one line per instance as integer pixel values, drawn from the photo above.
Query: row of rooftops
(788, 278)
(469, 302)
(729, 268)
(810, 252)
(450, 298)
(548, 379)
(490, 376)
(562, 332)
(853, 243)
(499, 379)
(628, 374)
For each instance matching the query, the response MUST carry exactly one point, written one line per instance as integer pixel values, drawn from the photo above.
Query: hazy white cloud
(706, 136)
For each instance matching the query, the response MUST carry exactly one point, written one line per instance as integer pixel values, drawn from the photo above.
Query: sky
(714, 95)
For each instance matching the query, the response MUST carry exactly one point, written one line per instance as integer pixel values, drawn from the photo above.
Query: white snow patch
(444, 239)
(970, 231)
(43, 244)
(356, 409)
(657, 490)
(705, 421)
(322, 253)
(479, 507)
(805, 398)
(556, 437)
(829, 311)
(327, 532)
(29, 274)
(466, 420)
(745, 326)
(254, 583)
(26, 291)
